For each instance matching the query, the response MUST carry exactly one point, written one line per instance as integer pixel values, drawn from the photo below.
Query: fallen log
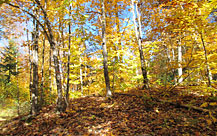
(185, 106)
(172, 103)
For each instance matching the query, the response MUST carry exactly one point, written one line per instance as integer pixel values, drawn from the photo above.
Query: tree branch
(47, 22)
(33, 16)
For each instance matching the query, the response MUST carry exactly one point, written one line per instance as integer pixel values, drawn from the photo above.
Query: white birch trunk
(105, 54)
(139, 40)
(174, 70)
(180, 79)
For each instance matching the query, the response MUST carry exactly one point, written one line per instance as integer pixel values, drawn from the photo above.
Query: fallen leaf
(204, 105)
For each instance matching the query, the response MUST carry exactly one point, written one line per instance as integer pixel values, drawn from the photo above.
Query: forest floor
(136, 113)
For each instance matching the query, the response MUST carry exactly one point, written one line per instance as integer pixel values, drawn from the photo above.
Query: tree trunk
(69, 53)
(35, 104)
(209, 75)
(85, 69)
(42, 75)
(174, 70)
(180, 78)
(30, 63)
(42, 67)
(81, 73)
(139, 41)
(59, 43)
(85, 80)
(18, 91)
(105, 54)
(50, 59)
(61, 103)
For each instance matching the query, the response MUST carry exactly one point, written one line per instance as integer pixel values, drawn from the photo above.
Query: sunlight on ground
(6, 114)
(101, 128)
(8, 110)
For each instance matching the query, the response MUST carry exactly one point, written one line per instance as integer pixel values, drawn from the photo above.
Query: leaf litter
(122, 114)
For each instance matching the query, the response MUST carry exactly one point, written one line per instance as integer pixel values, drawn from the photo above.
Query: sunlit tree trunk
(139, 38)
(180, 79)
(61, 53)
(168, 62)
(30, 62)
(35, 104)
(85, 62)
(174, 70)
(105, 54)
(60, 43)
(61, 103)
(42, 75)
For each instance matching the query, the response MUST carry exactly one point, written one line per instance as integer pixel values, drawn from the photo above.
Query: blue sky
(125, 14)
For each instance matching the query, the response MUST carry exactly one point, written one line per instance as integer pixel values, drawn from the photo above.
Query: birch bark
(105, 54)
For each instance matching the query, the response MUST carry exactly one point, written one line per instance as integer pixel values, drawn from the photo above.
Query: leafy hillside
(129, 113)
